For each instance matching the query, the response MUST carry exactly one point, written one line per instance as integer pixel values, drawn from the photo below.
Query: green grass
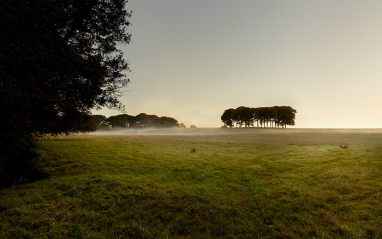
(248, 184)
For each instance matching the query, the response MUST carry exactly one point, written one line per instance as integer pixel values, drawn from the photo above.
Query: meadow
(222, 183)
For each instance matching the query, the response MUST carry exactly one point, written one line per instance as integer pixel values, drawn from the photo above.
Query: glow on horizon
(191, 60)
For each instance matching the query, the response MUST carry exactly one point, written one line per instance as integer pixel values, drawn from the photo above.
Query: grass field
(206, 184)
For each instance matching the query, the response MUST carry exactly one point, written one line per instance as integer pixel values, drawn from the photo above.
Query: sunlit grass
(260, 184)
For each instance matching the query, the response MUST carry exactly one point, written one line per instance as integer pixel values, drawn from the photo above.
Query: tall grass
(252, 184)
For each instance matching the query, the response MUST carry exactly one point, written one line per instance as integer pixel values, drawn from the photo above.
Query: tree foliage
(58, 60)
(276, 116)
(141, 120)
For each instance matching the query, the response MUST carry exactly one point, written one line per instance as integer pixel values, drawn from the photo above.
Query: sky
(192, 60)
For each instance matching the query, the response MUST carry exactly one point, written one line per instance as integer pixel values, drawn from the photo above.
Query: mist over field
(163, 131)
(175, 131)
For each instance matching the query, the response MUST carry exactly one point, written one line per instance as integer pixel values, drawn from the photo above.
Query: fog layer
(163, 131)
(226, 131)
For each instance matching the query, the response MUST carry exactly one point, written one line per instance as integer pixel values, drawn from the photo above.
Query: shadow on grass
(23, 170)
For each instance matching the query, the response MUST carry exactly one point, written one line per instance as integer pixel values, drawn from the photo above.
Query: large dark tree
(58, 60)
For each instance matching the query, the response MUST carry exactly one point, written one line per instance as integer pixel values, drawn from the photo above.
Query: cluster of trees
(276, 116)
(100, 122)
(58, 60)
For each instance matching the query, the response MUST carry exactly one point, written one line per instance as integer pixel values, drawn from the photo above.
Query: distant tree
(227, 117)
(247, 116)
(261, 113)
(193, 127)
(141, 120)
(181, 125)
(270, 114)
(121, 121)
(87, 123)
(286, 115)
(238, 116)
(104, 126)
(264, 116)
(279, 117)
(168, 122)
(96, 121)
(153, 121)
(242, 115)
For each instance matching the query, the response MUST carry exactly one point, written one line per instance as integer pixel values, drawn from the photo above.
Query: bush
(22, 163)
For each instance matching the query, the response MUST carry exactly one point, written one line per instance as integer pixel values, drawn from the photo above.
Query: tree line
(274, 117)
(89, 123)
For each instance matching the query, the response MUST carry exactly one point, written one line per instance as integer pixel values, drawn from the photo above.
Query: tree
(96, 121)
(121, 121)
(168, 122)
(153, 121)
(270, 115)
(88, 123)
(181, 125)
(236, 116)
(58, 60)
(286, 115)
(264, 116)
(247, 116)
(142, 120)
(227, 117)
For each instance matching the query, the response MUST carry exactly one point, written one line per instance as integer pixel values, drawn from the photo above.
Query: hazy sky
(191, 60)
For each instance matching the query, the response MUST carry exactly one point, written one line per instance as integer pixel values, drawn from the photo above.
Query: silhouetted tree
(58, 60)
(247, 116)
(142, 120)
(168, 122)
(275, 116)
(227, 117)
(96, 121)
(88, 123)
(286, 116)
(237, 116)
(121, 121)
(83, 123)
(270, 115)
(153, 121)
(262, 115)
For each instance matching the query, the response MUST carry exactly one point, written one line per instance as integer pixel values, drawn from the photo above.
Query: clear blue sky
(191, 60)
